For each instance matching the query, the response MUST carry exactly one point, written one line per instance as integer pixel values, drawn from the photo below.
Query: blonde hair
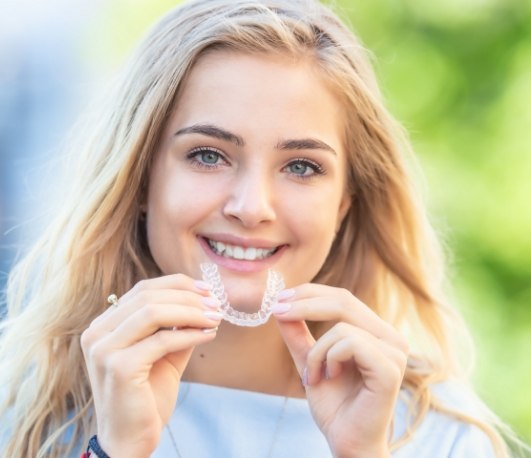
(385, 251)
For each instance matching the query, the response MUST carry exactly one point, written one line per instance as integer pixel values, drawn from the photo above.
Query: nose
(251, 199)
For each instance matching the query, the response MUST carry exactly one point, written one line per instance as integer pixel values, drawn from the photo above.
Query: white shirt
(211, 422)
(215, 422)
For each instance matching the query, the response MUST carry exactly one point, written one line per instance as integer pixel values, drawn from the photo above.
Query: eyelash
(316, 168)
(192, 156)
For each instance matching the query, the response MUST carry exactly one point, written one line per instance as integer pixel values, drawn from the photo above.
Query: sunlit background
(456, 73)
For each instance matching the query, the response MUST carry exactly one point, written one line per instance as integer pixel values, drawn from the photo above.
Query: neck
(246, 358)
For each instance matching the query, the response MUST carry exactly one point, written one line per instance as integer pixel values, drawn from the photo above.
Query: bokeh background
(456, 73)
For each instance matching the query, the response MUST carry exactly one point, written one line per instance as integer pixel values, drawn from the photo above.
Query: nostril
(250, 209)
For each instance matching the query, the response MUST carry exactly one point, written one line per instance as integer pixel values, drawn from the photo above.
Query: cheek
(313, 223)
(314, 214)
(177, 197)
(172, 211)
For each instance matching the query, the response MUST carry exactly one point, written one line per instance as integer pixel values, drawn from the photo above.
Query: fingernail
(285, 294)
(209, 330)
(210, 302)
(203, 285)
(280, 308)
(213, 315)
(305, 377)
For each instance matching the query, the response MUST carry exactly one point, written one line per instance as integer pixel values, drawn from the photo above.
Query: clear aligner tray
(275, 284)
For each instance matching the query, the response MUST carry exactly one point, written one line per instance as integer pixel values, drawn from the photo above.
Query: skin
(259, 186)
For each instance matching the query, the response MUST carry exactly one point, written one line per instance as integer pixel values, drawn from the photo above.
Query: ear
(344, 206)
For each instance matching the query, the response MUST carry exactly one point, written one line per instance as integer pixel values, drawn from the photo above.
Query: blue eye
(206, 157)
(209, 157)
(304, 168)
(299, 168)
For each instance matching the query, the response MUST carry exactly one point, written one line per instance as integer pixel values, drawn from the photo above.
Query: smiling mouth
(239, 252)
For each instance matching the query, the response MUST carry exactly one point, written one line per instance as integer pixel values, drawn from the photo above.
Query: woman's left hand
(352, 373)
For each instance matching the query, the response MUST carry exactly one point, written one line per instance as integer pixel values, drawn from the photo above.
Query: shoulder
(443, 434)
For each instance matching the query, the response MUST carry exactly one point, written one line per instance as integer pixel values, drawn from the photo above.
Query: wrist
(94, 449)
(364, 454)
(381, 452)
(104, 447)
(98, 448)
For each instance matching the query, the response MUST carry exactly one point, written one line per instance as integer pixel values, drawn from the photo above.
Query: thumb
(298, 339)
(179, 359)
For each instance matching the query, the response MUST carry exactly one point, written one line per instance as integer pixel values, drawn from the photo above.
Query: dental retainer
(275, 284)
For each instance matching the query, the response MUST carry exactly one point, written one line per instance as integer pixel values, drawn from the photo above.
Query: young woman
(250, 135)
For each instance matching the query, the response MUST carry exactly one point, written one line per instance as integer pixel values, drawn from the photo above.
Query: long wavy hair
(385, 252)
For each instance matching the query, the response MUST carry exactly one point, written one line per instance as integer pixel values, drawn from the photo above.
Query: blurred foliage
(457, 74)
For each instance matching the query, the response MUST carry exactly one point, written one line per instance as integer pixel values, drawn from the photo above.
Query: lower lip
(240, 265)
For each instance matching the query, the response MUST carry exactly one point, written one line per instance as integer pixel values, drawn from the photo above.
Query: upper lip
(244, 242)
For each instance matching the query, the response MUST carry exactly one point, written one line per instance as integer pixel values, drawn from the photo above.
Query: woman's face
(250, 174)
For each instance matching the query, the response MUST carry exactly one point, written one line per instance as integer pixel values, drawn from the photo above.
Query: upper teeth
(238, 252)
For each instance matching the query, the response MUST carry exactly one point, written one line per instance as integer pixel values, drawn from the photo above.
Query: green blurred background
(457, 74)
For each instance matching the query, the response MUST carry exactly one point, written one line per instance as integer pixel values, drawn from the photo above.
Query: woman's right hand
(136, 354)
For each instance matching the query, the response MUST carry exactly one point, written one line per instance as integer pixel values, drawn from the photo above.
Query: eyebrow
(305, 144)
(212, 131)
(222, 134)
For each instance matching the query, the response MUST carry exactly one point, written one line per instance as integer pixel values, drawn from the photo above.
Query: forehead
(246, 69)
(260, 91)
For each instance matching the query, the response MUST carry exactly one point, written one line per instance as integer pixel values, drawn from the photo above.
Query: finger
(163, 343)
(321, 355)
(152, 318)
(175, 281)
(116, 315)
(313, 302)
(316, 360)
(299, 341)
(372, 359)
